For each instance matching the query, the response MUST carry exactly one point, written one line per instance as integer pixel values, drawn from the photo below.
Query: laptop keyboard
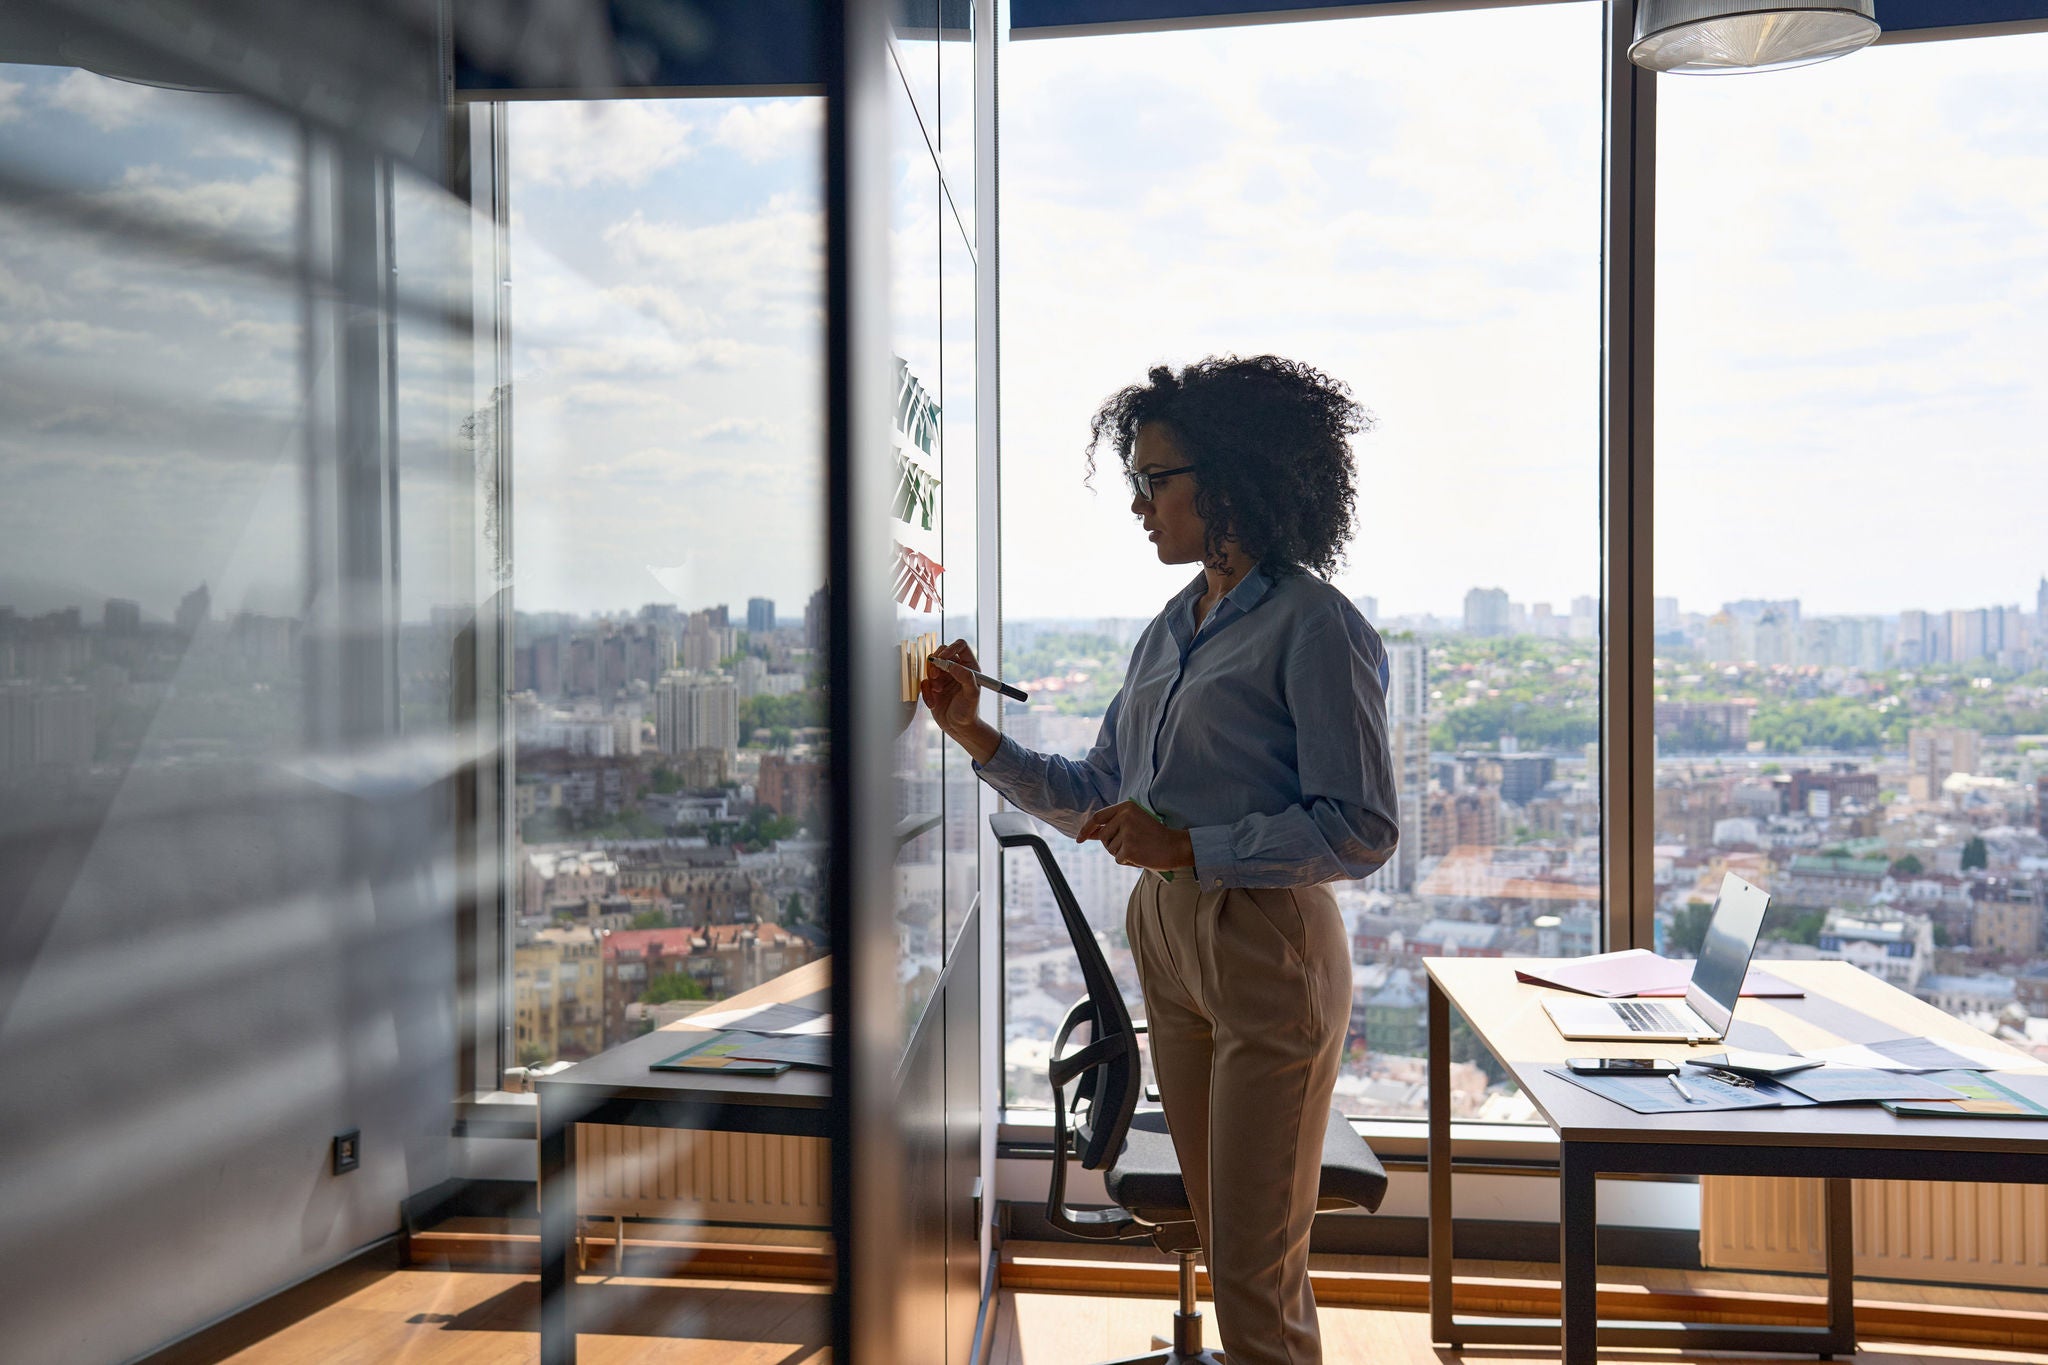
(1643, 1018)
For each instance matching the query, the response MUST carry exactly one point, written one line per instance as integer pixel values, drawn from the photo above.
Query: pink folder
(1638, 971)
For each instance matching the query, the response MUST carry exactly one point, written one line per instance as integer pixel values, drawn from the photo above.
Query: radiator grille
(749, 1178)
(1935, 1230)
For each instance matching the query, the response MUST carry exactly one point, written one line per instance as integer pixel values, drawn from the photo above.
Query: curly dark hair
(1270, 442)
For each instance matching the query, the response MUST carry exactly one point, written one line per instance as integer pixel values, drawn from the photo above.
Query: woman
(1244, 764)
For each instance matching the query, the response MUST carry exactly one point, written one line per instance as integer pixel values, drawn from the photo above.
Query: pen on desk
(1679, 1086)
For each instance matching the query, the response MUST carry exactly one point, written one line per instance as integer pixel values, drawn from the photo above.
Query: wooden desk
(617, 1087)
(1833, 1143)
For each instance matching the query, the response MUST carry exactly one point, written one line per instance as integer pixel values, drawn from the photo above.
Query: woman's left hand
(1135, 838)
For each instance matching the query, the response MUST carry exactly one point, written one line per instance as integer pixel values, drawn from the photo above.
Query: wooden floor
(1072, 1329)
(441, 1317)
(470, 1317)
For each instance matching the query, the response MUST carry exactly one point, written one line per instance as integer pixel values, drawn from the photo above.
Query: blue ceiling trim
(1896, 15)
(506, 46)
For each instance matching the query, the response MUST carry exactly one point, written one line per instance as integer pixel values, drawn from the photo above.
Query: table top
(622, 1072)
(1509, 1018)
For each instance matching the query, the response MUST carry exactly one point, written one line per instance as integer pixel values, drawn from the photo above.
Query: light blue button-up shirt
(1263, 734)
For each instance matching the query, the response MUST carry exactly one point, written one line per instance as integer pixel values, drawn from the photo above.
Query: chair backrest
(1106, 1073)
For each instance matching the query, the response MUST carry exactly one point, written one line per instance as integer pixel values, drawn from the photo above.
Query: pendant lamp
(1721, 37)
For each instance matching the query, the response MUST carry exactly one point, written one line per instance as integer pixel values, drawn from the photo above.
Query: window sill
(1511, 1147)
(498, 1114)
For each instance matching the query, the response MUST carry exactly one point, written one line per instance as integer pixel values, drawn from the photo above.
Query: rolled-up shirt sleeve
(1063, 792)
(1345, 825)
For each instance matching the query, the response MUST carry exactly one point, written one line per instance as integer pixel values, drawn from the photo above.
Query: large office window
(1852, 619)
(666, 559)
(1319, 190)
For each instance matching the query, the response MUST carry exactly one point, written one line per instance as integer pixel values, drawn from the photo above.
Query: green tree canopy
(671, 986)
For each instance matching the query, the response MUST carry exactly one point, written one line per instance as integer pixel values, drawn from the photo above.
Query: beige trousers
(1249, 995)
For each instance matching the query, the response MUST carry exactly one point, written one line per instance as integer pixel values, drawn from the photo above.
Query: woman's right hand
(954, 698)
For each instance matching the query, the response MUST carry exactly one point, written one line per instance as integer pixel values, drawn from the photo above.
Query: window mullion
(1628, 263)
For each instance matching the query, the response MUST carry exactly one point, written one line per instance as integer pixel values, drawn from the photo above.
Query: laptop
(1709, 1000)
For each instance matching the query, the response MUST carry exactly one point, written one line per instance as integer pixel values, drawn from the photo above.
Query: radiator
(748, 1178)
(1939, 1231)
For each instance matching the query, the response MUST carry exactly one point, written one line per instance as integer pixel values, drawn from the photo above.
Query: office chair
(1099, 1126)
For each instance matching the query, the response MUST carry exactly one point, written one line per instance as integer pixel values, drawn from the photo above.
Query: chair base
(1186, 1347)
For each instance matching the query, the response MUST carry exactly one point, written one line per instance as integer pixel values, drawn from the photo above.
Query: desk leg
(1440, 1264)
(1838, 1212)
(1578, 1223)
(557, 1231)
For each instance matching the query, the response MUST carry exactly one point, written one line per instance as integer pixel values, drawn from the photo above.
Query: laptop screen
(1724, 957)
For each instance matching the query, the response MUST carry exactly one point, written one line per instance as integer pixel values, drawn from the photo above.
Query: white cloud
(263, 206)
(612, 142)
(10, 100)
(735, 430)
(772, 130)
(768, 268)
(107, 104)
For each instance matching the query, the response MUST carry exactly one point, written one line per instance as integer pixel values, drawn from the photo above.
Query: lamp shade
(1720, 37)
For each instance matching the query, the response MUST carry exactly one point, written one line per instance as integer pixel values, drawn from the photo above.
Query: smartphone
(1622, 1066)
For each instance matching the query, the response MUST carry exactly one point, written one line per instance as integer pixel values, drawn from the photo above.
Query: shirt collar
(1251, 590)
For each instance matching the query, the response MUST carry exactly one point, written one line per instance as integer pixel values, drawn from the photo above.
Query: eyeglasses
(1142, 481)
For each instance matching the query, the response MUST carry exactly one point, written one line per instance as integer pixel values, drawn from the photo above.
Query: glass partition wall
(1315, 190)
(240, 555)
(412, 618)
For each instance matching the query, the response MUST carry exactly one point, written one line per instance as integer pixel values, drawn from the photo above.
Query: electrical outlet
(348, 1150)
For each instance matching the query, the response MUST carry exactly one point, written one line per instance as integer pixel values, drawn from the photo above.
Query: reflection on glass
(956, 106)
(1439, 254)
(667, 688)
(233, 359)
(960, 490)
(1852, 624)
(923, 571)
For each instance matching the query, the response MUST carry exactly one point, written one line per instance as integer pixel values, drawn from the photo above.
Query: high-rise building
(760, 615)
(1524, 775)
(696, 711)
(1486, 611)
(121, 617)
(2041, 805)
(1937, 751)
(709, 641)
(814, 620)
(1585, 618)
(1968, 635)
(1912, 649)
(194, 609)
(751, 677)
(1408, 739)
(1368, 607)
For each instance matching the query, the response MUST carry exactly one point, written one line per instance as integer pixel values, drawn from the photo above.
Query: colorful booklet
(716, 1054)
(1982, 1098)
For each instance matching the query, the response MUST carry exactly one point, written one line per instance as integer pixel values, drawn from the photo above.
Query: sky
(1852, 263)
(667, 323)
